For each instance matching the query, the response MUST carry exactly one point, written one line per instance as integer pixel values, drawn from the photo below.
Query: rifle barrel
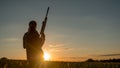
(47, 12)
(44, 22)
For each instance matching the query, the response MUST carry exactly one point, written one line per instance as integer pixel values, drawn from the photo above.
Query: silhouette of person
(33, 43)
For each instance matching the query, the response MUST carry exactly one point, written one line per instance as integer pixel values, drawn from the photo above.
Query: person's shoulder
(25, 33)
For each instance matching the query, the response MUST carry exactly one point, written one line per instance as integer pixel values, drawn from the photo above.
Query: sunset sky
(76, 29)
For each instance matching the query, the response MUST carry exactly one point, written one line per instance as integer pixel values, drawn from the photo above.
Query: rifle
(44, 22)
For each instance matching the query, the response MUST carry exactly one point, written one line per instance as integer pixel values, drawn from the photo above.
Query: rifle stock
(44, 22)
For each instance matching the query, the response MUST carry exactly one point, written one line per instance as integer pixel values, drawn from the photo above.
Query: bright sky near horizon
(76, 29)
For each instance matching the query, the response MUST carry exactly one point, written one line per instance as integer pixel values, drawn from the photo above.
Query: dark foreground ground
(51, 64)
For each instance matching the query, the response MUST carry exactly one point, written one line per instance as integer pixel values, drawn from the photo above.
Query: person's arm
(26, 41)
(42, 39)
(24, 44)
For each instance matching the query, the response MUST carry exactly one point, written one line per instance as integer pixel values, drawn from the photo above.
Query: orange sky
(75, 30)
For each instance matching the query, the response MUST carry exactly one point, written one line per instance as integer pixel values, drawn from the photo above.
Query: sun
(46, 56)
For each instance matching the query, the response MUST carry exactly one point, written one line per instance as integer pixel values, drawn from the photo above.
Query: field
(51, 64)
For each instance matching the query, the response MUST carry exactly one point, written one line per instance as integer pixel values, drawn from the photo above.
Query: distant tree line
(88, 60)
(107, 60)
(11, 63)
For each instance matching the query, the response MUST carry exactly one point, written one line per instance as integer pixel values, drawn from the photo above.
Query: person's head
(32, 25)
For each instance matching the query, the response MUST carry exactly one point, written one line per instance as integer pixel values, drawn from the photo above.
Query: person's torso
(32, 40)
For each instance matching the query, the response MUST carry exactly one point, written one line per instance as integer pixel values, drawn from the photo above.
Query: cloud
(110, 55)
(56, 45)
(63, 49)
(59, 48)
(10, 39)
(71, 58)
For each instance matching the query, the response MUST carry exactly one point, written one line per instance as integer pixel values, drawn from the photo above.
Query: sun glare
(46, 56)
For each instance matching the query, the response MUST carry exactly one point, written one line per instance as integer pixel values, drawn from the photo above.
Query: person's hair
(32, 25)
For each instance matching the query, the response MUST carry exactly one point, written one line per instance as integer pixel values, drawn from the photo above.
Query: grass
(53, 64)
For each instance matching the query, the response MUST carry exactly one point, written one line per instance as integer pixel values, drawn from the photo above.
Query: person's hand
(43, 35)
